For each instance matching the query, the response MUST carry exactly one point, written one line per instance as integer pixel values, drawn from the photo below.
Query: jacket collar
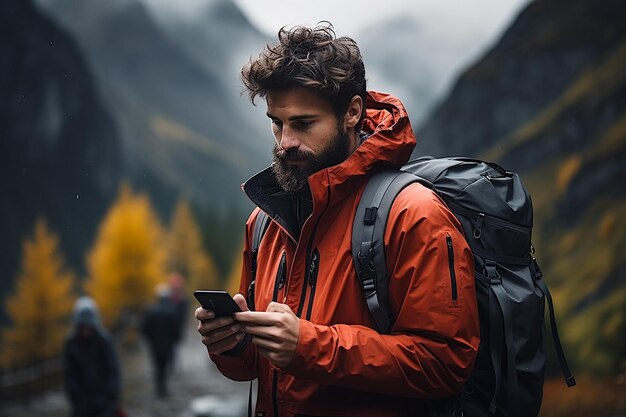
(389, 143)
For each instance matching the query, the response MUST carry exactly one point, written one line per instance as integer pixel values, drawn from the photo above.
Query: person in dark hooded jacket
(161, 330)
(92, 372)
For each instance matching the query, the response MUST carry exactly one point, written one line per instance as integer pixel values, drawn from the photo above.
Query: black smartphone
(219, 301)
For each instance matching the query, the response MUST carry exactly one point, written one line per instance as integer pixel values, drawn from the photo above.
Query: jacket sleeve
(239, 363)
(434, 341)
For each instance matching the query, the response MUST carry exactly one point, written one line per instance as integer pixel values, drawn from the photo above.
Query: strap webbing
(260, 225)
(567, 373)
(507, 321)
(368, 241)
(495, 347)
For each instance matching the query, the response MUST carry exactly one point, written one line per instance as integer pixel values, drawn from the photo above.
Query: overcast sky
(480, 21)
(465, 27)
(458, 31)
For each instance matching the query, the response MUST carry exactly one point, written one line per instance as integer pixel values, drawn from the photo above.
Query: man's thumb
(241, 302)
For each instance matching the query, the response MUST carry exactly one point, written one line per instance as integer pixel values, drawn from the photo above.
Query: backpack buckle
(366, 264)
(370, 215)
(492, 273)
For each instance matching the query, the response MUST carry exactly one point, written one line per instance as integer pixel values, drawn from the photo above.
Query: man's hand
(220, 334)
(274, 332)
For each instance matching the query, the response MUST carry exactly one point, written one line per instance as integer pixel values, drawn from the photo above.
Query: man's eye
(277, 123)
(304, 124)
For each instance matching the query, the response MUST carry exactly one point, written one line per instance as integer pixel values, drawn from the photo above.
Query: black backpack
(496, 213)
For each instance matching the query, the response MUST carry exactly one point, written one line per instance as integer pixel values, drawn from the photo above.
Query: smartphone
(219, 301)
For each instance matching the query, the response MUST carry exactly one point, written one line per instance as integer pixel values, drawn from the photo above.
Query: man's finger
(267, 344)
(259, 318)
(209, 325)
(265, 332)
(225, 344)
(204, 314)
(241, 302)
(275, 307)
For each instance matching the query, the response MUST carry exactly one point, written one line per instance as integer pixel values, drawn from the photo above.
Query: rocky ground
(196, 389)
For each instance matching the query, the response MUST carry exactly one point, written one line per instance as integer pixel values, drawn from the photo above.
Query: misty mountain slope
(219, 36)
(542, 52)
(397, 56)
(60, 150)
(144, 76)
(549, 101)
(221, 39)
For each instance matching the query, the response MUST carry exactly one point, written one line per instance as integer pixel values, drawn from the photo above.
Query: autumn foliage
(41, 304)
(186, 254)
(234, 277)
(127, 260)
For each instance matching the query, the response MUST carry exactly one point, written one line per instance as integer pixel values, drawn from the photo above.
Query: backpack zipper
(313, 268)
(451, 267)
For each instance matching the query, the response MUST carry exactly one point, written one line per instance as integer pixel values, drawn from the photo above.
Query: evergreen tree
(41, 303)
(127, 260)
(186, 254)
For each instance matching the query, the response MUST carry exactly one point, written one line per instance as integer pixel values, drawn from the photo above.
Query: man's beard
(293, 178)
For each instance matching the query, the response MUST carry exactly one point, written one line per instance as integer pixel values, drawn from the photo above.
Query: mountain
(182, 132)
(60, 152)
(549, 101)
(220, 39)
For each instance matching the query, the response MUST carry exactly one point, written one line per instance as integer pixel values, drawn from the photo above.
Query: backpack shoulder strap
(368, 250)
(260, 226)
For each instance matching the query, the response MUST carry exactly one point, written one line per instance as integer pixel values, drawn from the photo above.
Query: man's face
(309, 137)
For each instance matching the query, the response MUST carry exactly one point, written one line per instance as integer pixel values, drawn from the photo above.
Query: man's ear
(353, 113)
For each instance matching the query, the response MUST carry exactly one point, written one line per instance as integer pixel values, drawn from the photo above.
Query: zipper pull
(313, 268)
(282, 271)
(479, 225)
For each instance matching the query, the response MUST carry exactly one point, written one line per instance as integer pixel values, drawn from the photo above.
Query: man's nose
(289, 139)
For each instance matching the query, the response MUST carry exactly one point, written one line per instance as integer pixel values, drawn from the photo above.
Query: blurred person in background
(161, 328)
(180, 302)
(92, 370)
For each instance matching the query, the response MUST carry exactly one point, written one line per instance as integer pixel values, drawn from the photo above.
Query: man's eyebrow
(296, 117)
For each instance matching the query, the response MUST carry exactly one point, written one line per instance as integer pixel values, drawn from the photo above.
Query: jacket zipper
(302, 297)
(307, 273)
(278, 284)
(280, 276)
(451, 267)
(313, 268)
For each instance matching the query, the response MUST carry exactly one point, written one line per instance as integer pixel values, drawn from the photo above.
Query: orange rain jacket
(342, 366)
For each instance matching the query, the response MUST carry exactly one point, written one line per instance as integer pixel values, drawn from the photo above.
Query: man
(92, 371)
(161, 328)
(312, 342)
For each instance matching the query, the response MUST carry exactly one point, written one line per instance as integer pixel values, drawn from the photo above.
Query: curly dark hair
(313, 58)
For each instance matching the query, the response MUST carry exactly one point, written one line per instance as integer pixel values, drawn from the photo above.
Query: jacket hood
(86, 314)
(387, 140)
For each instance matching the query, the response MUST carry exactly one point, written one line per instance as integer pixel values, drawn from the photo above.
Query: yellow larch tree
(186, 253)
(234, 277)
(41, 303)
(127, 260)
